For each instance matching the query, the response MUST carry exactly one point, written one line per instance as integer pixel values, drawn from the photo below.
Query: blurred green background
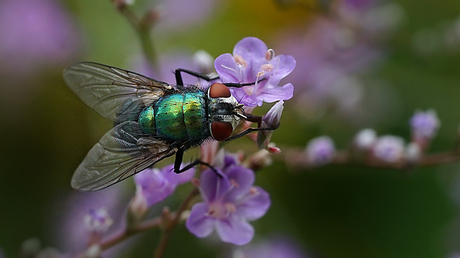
(333, 211)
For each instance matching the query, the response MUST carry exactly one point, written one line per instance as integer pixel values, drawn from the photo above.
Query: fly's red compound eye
(221, 131)
(218, 90)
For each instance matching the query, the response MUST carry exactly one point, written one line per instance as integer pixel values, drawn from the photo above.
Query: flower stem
(296, 157)
(168, 229)
(143, 28)
(128, 232)
(171, 222)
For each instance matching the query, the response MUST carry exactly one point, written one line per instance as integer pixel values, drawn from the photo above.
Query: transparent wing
(106, 88)
(121, 153)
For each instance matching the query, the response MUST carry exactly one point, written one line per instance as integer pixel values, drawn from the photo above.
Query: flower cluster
(229, 202)
(387, 148)
(253, 62)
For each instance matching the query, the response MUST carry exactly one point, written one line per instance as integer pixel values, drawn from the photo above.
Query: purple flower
(157, 184)
(229, 203)
(69, 218)
(98, 221)
(389, 148)
(424, 124)
(253, 62)
(320, 150)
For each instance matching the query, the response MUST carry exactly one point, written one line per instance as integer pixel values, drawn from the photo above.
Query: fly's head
(224, 112)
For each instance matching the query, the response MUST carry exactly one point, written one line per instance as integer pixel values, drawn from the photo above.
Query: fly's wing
(106, 88)
(121, 153)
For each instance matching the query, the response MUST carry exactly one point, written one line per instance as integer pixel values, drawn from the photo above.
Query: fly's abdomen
(176, 117)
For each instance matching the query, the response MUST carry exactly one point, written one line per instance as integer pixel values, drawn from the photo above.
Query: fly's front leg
(249, 130)
(180, 82)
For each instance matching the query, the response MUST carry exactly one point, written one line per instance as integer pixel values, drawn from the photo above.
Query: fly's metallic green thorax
(180, 116)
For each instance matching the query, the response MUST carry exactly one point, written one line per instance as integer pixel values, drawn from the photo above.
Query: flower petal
(180, 178)
(274, 94)
(212, 186)
(199, 223)
(241, 179)
(227, 68)
(254, 205)
(250, 48)
(155, 186)
(234, 230)
(284, 64)
(243, 98)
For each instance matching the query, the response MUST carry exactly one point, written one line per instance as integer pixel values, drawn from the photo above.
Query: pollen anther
(240, 61)
(266, 67)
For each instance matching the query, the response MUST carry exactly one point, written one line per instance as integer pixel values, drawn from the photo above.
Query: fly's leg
(208, 78)
(249, 130)
(178, 161)
(180, 82)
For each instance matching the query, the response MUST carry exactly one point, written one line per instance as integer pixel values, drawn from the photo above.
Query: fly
(152, 119)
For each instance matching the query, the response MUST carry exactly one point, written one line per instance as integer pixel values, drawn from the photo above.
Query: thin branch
(128, 232)
(297, 158)
(169, 222)
(143, 27)
(160, 251)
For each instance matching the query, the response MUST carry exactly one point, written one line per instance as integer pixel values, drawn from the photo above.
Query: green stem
(143, 28)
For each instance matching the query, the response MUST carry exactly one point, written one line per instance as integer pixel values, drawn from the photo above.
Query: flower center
(221, 210)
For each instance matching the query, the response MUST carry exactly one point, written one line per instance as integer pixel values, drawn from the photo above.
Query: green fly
(152, 120)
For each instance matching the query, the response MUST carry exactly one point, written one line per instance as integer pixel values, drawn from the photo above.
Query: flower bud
(98, 221)
(204, 61)
(270, 120)
(389, 148)
(365, 139)
(259, 160)
(424, 127)
(320, 150)
(137, 208)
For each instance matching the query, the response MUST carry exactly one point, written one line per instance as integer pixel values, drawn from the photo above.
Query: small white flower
(389, 148)
(365, 139)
